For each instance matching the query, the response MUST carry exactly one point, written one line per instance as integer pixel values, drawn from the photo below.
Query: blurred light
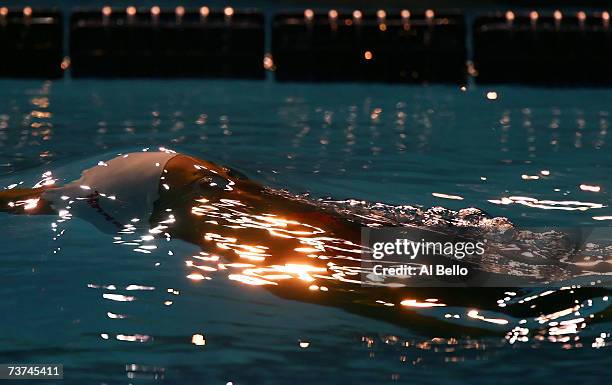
(309, 14)
(3, 11)
(155, 10)
(510, 16)
(27, 11)
(603, 218)
(131, 11)
(333, 14)
(605, 16)
(533, 15)
(447, 196)
(429, 14)
(492, 95)
(268, 62)
(405, 14)
(204, 11)
(367, 55)
(581, 16)
(195, 277)
(474, 314)
(557, 15)
(228, 11)
(180, 11)
(198, 339)
(30, 204)
(426, 304)
(586, 187)
(357, 14)
(381, 14)
(529, 177)
(106, 11)
(65, 63)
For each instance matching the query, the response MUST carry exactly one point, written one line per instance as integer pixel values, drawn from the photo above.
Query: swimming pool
(537, 156)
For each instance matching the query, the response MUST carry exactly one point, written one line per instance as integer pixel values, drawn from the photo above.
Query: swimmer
(260, 236)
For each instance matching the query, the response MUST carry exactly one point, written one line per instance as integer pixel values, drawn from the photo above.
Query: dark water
(538, 157)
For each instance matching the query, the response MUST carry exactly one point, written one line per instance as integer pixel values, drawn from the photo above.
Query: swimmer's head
(185, 180)
(186, 177)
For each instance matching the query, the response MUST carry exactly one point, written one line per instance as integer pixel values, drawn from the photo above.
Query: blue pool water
(524, 156)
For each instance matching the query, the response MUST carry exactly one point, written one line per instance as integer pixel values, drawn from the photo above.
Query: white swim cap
(115, 193)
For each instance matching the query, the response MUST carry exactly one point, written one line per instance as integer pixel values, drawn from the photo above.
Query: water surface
(539, 157)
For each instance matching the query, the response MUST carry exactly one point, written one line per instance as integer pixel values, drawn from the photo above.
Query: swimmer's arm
(25, 201)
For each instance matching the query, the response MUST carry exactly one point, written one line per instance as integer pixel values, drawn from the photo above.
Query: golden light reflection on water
(475, 314)
(307, 251)
(302, 253)
(302, 257)
(427, 303)
(409, 129)
(317, 260)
